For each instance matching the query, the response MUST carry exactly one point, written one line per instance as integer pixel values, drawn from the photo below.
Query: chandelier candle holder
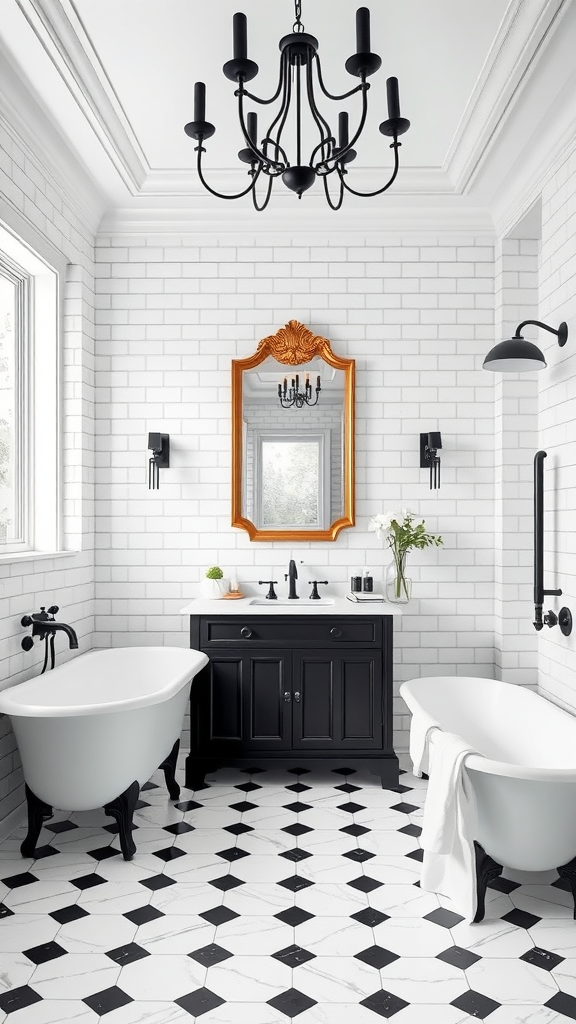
(300, 80)
(293, 396)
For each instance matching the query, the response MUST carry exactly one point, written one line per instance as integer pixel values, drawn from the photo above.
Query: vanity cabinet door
(337, 701)
(241, 703)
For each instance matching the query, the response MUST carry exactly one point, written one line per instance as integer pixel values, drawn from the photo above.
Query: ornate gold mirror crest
(293, 438)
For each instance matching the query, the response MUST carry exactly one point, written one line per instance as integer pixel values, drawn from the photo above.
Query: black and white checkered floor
(266, 897)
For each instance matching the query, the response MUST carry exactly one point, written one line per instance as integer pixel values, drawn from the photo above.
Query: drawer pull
(246, 632)
(287, 696)
(335, 633)
(297, 696)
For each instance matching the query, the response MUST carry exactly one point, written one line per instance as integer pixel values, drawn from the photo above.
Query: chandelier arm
(219, 195)
(259, 99)
(331, 204)
(262, 207)
(326, 140)
(345, 95)
(258, 155)
(379, 191)
(359, 131)
(282, 114)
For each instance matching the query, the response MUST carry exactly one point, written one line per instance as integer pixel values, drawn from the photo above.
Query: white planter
(214, 589)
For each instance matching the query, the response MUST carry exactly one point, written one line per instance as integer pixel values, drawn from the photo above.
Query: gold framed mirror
(293, 438)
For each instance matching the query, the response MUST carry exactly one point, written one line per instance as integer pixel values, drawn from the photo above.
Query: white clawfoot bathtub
(90, 729)
(524, 781)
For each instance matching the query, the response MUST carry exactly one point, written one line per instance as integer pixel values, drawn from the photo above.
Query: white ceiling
(488, 85)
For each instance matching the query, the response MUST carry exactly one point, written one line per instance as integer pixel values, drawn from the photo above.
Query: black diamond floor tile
(41, 852)
(103, 853)
(238, 829)
(295, 854)
(248, 787)
(402, 789)
(295, 883)
(5, 911)
(143, 915)
(344, 771)
(404, 808)
(88, 881)
(351, 807)
(298, 771)
(147, 786)
(294, 956)
(411, 830)
(294, 916)
(417, 855)
(521, 918)
(503, 885)
(188, 805)
(219, 915)
(179, 828)
(67, 914)
(243, 805)
(298, 829)
(127, 954)
(298, 787)
(170, 853)
(355, 830)
(61, 826)
(359, 855)
(297, 807)
(107, 1000)
(234, 853)
(458, 957)
(347, 787)
(156, 882)
(252, 771)
(562, 883)
(140, 804)
(445, 918)
(364, 883)
(542, 958)
(113, 828)
(15, 881)
(210, 955)
(226, 882)
(376, 956)
(370, 917)
(18, 998)
(475, 1004)
(384, 1003)
(199, 1002)
(42, 954)
(561, 1002)
(291, 1002)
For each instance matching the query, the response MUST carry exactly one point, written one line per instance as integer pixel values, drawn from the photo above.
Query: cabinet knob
(335, 633)
(287, 696)
(246, 632)
(297, 696)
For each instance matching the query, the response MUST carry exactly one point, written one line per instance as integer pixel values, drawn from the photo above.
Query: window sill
(34, 556)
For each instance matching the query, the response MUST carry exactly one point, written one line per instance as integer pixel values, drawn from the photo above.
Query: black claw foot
(568, 871)
(122, 809)
(169, 768)
(38, 813)
(487, 869)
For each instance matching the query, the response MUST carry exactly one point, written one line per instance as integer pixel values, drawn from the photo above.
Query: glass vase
(398, 586)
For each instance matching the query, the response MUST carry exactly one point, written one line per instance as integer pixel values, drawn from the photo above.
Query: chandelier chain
(298, 26)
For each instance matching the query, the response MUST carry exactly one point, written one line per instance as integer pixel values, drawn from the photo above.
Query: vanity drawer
(301, 631)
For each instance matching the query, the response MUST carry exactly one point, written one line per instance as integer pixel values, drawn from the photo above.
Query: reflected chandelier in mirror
(293, 438)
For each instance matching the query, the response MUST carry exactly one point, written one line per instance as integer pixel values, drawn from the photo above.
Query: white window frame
(40, 478)
(322, 439)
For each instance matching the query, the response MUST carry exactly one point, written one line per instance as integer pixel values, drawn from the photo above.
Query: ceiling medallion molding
(528, 25)
(65, 41)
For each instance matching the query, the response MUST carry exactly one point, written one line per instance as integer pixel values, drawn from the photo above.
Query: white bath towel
(449, 827)
(421, 728)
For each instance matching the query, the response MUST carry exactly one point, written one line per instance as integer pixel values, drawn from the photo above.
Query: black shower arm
(536, 323)
(539, 592)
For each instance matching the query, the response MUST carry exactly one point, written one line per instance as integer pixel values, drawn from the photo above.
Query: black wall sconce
(516, 355)
(429, 445)
(160, 458)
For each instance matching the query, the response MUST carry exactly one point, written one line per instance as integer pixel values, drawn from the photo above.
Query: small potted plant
(214, 585)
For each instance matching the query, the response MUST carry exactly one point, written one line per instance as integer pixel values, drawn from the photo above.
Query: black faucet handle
(315, 596)
(271, 595)
(53, 610)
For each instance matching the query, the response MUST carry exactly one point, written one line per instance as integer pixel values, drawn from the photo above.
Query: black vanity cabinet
(309, 691)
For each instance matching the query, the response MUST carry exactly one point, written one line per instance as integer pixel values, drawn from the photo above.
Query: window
(29, 399)
(291, 479)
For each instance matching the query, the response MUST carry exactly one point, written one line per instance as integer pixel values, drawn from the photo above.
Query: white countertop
(245, 606)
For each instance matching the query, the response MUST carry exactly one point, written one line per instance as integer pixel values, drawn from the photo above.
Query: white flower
(380, 524)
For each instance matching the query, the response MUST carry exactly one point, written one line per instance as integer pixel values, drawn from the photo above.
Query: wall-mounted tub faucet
(564, 619)
(45, 626)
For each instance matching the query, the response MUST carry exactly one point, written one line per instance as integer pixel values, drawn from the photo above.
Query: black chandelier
(297, 82)
(293, 396)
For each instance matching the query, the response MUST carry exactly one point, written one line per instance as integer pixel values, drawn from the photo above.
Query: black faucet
(292, 575)
(44, 625)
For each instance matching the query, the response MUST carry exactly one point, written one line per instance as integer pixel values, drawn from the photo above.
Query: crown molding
(28, 126)
(526, 30)
(64, 40)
